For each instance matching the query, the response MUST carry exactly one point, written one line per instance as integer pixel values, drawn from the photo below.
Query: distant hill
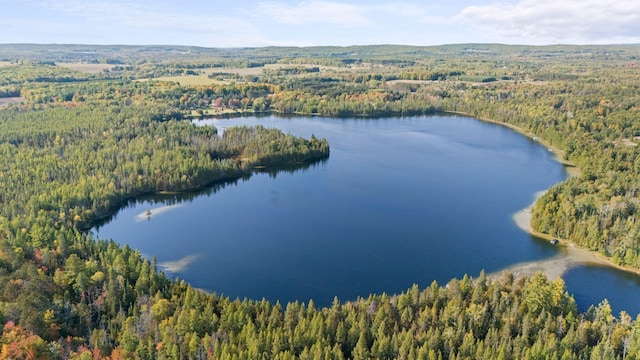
(133, 53)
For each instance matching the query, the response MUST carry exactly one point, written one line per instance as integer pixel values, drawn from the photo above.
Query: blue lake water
(399, 201)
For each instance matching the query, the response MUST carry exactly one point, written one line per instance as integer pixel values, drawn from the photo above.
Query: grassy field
(258, 70)
(5, 63)
(239, 71)
(203, 77)
(188, 80)
(215, 111)
(321, 67)
(86, 68)
(4, 102)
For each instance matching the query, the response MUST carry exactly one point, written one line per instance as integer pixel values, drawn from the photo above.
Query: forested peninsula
(84, 129)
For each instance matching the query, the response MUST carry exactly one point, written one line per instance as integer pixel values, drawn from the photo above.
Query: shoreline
(570, 254)
(99, 218)
(572, 169)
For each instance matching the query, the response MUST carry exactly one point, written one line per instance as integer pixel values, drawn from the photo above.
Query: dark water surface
(400, 201)
(591, 284)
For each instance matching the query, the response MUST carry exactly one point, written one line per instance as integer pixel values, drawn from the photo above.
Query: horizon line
(320, 46)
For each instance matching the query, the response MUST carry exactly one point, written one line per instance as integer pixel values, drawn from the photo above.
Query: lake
(399, 201)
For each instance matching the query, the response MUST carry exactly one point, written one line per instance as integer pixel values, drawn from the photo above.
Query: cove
(399, 201)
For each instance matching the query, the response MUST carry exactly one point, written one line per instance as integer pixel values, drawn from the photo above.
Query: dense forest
(76, 145)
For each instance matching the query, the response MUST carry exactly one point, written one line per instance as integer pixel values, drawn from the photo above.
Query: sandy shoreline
(570, 255)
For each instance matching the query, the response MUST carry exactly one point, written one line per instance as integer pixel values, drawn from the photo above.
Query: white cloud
(587, 21)
(307, 12)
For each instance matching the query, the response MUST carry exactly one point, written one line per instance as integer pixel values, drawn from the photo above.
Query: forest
(76, 145)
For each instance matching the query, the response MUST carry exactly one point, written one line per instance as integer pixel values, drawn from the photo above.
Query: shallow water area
(399, 201)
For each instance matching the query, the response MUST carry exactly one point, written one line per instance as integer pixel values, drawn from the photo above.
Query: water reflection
(172, 200)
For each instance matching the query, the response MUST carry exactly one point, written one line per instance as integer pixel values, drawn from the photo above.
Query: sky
(319, 22)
